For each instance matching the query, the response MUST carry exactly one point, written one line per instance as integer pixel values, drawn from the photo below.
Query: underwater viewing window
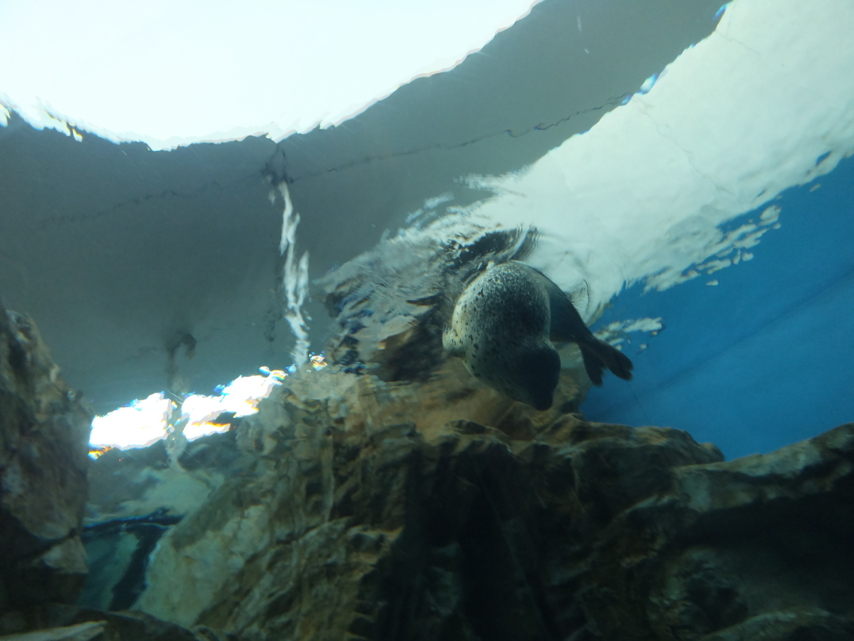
(402, 319)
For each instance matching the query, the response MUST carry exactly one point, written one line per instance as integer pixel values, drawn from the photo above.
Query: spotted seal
(503, 325)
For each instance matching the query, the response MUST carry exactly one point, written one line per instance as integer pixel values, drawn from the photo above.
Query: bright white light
(137, 425)
(142, 423)
(171, 73)
(241, 397)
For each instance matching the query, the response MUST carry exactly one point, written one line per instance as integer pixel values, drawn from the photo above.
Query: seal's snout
(537, 374)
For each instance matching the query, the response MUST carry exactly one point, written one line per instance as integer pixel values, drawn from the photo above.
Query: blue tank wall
(763, 359)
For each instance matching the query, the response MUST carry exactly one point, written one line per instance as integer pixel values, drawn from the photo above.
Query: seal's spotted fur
(503, 326)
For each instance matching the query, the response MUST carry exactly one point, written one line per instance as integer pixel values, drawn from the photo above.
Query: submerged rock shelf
(352, 508)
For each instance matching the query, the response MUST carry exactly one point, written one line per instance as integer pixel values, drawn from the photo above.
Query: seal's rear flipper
(598, 355)
(568, 326)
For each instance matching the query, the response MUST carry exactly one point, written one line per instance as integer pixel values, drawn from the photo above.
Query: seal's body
(503, 326)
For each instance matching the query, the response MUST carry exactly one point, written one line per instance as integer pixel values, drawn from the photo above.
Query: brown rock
(44, 435)
(44, 438)
(135, 495)
(91, 631)
(68, 623)
(394, 511)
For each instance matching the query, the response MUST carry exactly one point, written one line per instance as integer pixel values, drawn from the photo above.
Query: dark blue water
(764, 359)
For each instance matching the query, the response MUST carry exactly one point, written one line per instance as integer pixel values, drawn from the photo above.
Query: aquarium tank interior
(414, 320)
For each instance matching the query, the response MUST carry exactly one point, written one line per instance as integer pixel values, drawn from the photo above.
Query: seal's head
(535, 372)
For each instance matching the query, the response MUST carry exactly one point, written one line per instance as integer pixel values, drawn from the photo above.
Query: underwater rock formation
(350, 507)
(44, 436)
(44, 459)
(435, 511)
(135, 496)
(80, 624)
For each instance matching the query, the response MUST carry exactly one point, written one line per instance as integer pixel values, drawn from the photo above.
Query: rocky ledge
(372, 513)
(355, 508)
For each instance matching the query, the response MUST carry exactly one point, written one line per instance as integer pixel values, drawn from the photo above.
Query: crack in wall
(687, 154)
(741, 44)
(611, 102)
(70, 219)
(112, 210)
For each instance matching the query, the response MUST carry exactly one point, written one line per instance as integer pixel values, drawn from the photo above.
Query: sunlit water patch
(143, 422)
(721, 131)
